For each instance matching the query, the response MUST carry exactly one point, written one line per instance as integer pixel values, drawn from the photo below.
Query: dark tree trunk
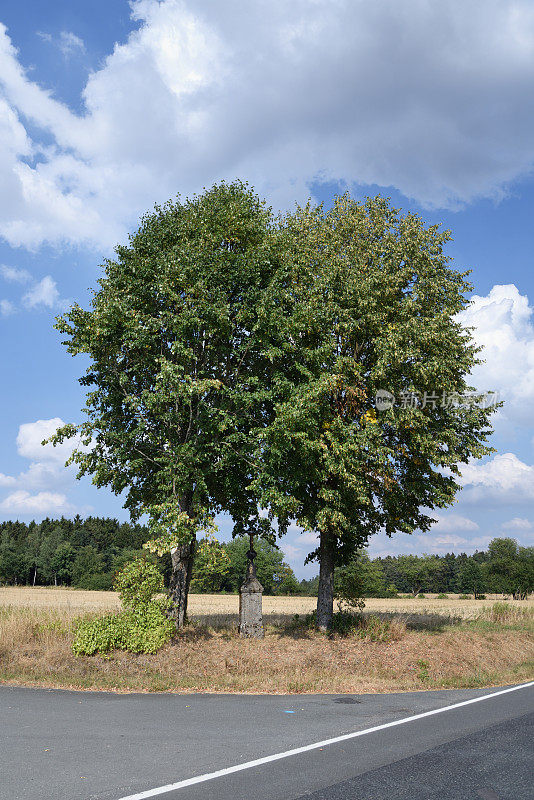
(182, 568)
(325, 594)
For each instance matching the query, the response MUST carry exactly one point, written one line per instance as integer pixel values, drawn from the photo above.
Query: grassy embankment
(426, 644)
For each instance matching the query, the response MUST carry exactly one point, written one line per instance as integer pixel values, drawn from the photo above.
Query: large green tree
(374, 303)
(181, 339)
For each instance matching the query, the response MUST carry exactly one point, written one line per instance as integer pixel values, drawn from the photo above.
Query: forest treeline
(86, 553)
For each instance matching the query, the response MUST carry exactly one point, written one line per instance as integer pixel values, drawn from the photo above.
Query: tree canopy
(374, 303)
(180, 341)
(236, 361)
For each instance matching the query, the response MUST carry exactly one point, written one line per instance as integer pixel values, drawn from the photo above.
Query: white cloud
(517, 524)
(41, 488)
(440, 544)
(503, 326)
(44, 293)
(384, 93)
(21, 502)
(450, 523)
(7, 480)
(31, 434)
(67, 42)
(14, 274)
(7, 308)
(503, 479)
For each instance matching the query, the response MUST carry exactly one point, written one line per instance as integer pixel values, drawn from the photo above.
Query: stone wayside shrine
(250, 600)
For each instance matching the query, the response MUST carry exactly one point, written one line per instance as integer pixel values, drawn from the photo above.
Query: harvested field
(421, 644)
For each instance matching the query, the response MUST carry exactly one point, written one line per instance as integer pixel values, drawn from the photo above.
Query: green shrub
(465, 597)
(421, 596)
(96, 582)
(442, 596)
(137, 583)
(140, 630)
(142, 627)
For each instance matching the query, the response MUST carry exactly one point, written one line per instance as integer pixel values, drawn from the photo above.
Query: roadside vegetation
(394, 645)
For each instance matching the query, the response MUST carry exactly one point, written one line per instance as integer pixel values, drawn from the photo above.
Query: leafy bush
(421, 596)
(139, 630)
(442, 596)
(465, 597)
(137, 583)
(142, 627)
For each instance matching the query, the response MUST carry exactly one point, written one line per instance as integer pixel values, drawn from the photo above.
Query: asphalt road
(101, 746)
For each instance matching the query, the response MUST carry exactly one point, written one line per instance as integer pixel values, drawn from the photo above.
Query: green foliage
(138, 582)
(271, 569)
(358, 578)
(182, 339)
(373, 305)
(212, 566)
(142, 627)
(442, 596)
(423, 673)
(139, 630)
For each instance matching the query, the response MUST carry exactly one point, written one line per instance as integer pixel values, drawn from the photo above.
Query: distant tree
(419, 571)
(270, 567)
(88, 569)
(287, 583)
(502, 556)
(523, 574)
(62, 562)
(212, 565)
(471, 578)
(12, 560)
(360, 578)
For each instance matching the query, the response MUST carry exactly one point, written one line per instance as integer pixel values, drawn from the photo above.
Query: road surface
(102, 746)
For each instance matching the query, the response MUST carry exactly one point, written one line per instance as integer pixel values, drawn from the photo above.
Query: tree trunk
(34, 575)
(325, 594)
(182, 567)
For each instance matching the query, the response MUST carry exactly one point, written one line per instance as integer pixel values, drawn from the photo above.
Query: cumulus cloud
(517, 524)
(450, 523)
(21, 502)
(30, 436)
(45, 293)
(7, 480)
(384, 93)
(41, 488)
(503, 326)
(503, 479)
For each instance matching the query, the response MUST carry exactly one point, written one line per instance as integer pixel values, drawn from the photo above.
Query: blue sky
(109, 107)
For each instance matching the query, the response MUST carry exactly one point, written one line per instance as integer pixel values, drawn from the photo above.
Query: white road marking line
(220, 773)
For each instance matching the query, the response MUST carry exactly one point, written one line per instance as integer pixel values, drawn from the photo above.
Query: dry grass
(430, 644)
(202, 605)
